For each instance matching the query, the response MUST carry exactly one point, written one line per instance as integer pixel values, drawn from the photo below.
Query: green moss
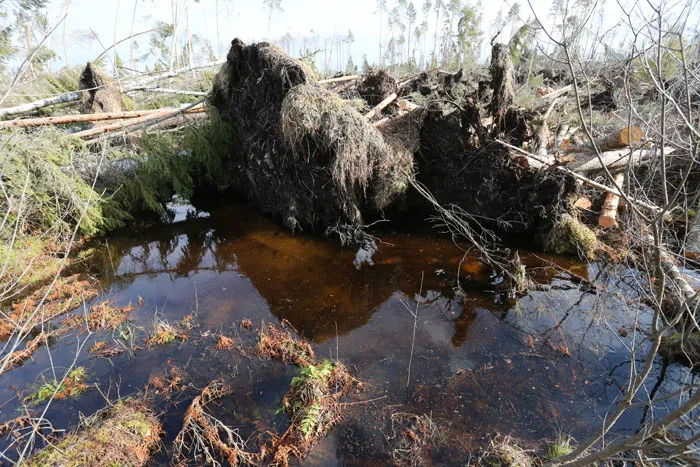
(121, 435)
(681, 348)
(129, 103)
(571, 236)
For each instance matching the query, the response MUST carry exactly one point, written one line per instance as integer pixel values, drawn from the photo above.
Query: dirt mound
(100, 92)
(303, 154)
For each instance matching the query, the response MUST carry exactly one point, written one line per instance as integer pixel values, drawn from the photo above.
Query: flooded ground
(547, 363)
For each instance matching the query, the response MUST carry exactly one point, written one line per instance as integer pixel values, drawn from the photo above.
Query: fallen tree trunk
(129, 86)
(40, 104)
(615, 159)
(608, 217)
(129, 124)
(77, 118)
(379, 107)
(339, 80)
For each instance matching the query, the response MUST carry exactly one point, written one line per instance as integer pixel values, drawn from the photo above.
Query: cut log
(628, 136)
(583, 203)
(608, 217)
(615, 159)
(379, 107)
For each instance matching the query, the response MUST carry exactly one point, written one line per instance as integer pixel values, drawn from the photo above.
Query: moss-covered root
(681, 348)
(569, 235)
(122, 435)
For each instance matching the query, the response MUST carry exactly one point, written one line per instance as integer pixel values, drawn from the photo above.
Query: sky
(244, 19)
(111, 20)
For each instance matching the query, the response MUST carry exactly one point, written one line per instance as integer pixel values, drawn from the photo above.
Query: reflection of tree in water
(310, 282)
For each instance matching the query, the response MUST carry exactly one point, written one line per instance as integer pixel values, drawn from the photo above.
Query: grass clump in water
(279, 344)
(561, 447)
(123, 434)
(72, 385)
(412, 436)
(163, 333)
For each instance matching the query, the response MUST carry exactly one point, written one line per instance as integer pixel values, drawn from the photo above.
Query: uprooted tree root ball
(302, 153)
(309, 158)
(123, 434)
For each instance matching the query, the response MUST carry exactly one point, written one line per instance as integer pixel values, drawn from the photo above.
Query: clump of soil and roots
(303, 154)
(122, 434)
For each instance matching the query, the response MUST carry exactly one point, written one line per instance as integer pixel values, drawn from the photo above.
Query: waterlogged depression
(474, 362)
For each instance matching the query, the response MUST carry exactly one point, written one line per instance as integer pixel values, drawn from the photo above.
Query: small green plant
(72, 386)
(561, 447)
(311, 421)
(314, 373)
(163, 333)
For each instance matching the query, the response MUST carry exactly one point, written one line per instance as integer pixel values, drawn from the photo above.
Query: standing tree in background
(271, 6)
(469, 36)
(411, 16)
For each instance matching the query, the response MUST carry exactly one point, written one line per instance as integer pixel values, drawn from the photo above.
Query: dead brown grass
(18, 357)
(66, 294)
(280, 344)
(224, 343)
(412, 436)
(101, 316)
(202, 434)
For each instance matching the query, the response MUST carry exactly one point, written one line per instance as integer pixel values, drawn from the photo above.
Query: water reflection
(480, 364)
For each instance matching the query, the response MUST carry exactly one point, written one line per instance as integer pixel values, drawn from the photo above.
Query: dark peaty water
(480, 364)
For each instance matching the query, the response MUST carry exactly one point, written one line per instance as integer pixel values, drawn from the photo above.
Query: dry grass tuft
(65, 295)
(412, 436)
(123, 434)
(246, 323)
(18, 357)
(101, 316)
(505, 451)
(224, 343)
(170, 381)
(101, 350)
(280, 344)
(164, 333)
